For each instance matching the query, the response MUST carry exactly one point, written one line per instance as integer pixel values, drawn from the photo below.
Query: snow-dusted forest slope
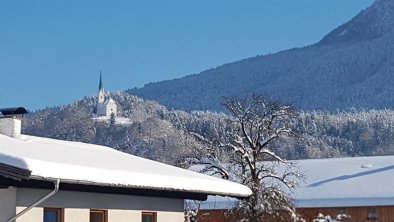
(155, 132)
(352, 66)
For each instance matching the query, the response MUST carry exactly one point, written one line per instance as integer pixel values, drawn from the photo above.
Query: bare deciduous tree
(258, 123)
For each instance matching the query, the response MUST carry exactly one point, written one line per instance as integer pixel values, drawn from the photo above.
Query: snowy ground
(118, 120)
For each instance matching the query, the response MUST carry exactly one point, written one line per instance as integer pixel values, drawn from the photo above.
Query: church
(105, 107)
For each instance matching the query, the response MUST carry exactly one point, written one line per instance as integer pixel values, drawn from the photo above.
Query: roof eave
(345, 202)
(13, 172)
(95, 188)
(192, 193)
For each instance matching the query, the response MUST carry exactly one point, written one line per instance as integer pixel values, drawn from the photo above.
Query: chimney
(10, 124)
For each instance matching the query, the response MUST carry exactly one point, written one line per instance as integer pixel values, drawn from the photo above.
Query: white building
(105, 107)
(48, 180)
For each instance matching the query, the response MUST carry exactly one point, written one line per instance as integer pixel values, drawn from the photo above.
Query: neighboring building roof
(345, 182)
(338, 182)
(87, 164)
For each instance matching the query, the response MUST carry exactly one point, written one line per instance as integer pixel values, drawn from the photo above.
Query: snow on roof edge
(85, 182)
(26, 152)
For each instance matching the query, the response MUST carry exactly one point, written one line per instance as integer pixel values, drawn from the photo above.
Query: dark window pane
(51, 216)
(147, 218)
(96, 217)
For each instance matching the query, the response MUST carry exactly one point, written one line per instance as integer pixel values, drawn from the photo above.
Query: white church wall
(111, 108)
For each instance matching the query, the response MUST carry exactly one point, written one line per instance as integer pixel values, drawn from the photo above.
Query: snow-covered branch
(256, 124)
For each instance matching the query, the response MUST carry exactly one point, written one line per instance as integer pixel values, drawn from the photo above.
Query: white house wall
(7, 203)
(169, 216)
(76, 215)
(121, 208)
(34, 215)
(82, 215)
(124, 216)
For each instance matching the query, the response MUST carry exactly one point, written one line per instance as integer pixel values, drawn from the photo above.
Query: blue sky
(51, 51)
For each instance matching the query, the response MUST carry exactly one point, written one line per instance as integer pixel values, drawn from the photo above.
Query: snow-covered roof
(338, 182)
(81, 163)
(344, 182)
(110, 101)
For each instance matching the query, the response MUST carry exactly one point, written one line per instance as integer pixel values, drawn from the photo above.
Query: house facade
(87, 206)
(48, 180)
(357, 214)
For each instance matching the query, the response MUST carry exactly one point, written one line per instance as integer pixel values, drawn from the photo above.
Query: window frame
(372, 213)
(153, 213)
(104, 212)
(59, 211)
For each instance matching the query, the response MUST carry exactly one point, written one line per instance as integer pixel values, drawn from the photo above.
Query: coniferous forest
(158, 133)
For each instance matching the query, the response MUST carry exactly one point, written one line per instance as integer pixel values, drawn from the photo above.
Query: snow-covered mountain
(369, 24)
(352, 66)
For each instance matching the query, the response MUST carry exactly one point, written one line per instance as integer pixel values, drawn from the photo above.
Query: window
(149, 216)
(53, 215)
(341, 210)
(372, 213)
(98, 216)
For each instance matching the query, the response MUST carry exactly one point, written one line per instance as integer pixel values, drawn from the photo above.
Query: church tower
(104, 107)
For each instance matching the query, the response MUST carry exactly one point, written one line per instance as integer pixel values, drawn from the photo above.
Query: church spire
(101, 93)
(101, 83)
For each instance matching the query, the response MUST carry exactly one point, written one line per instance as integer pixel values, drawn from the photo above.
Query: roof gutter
(44, 198)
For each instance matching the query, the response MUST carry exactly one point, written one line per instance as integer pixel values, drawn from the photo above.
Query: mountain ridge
(350, 67)
(370, 23)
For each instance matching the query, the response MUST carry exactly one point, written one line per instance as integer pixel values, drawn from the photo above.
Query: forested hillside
(161, 134)
(352, 66)
(148, 134)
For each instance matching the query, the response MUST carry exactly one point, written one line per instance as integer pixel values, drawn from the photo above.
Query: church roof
(109, 101)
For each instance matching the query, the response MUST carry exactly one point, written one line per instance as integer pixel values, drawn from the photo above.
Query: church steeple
(100, 98)
(101, 82)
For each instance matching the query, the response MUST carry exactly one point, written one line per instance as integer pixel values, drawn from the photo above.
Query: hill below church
(155, 132)
(352, 66)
